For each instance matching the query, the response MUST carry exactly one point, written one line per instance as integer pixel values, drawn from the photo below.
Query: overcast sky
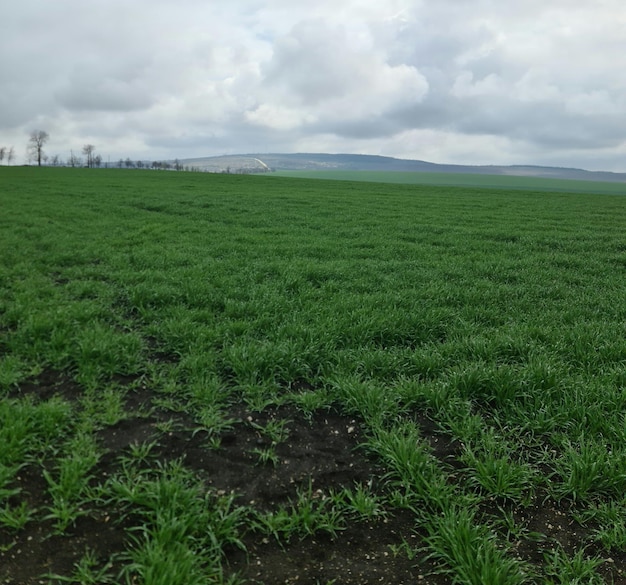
(449, 81)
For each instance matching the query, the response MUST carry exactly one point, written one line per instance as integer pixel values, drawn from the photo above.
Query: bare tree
(10, 155)
(74, 160)
(97, 160)
(36, 142)
(88, 152)
(55, 160)
(3, 150)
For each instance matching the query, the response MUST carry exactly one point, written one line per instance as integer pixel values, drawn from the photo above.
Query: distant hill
(250, 163)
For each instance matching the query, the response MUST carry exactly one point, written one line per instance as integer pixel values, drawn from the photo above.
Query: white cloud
(319, 77)
(596, 103)
(465, 86)
(529, 82)
(278, 117)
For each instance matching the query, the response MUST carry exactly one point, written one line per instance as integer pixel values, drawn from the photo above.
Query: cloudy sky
(448, 81)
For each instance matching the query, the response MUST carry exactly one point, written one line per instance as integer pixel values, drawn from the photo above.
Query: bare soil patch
(321, 450)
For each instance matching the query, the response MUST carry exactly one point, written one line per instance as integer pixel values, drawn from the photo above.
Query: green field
(472, 341)
(464, 180)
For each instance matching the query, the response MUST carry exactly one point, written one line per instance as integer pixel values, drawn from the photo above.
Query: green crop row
(469, 180)
(496, 315)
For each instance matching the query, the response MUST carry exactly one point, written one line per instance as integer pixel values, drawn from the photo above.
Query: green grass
(464, 180)
(184, 529)
(498, 313)
(311, 512)
(470, 552)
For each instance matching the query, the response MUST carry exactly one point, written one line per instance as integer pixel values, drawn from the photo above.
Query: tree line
(35, 152)
(8, 153)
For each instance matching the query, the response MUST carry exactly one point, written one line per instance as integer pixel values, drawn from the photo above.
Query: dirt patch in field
(48, 384)
(321, 451)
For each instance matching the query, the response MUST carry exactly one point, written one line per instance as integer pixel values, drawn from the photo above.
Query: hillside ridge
(366, 162)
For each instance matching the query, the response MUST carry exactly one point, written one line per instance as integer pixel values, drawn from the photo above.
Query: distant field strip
(473, 339)
(464, 180)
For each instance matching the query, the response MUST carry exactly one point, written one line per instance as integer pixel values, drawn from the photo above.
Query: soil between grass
(322, 449)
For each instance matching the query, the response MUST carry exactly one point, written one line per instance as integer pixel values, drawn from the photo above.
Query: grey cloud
(316, 63)
(534, 78)
(324, 79)
(448, 50)
(91, 92)
(545, 124)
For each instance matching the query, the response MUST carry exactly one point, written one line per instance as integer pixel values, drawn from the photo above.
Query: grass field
(464, 180)
(229, 379)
